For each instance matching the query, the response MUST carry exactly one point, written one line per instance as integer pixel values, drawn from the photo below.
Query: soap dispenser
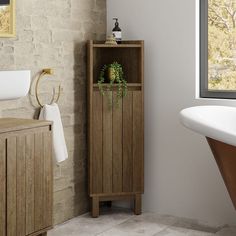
(117, 31)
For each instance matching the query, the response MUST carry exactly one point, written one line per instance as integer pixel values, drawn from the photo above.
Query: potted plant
(111, 76)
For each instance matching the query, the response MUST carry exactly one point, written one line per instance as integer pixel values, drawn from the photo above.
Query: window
(218, 48)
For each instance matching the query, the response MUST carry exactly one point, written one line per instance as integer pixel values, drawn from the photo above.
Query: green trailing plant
(114, 76)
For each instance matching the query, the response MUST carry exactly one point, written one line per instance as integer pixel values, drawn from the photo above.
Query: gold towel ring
(54, 98)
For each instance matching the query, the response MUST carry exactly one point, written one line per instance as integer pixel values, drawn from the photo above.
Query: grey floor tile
(87, 226)
(137, 226)
(227, 231)
(118, 232)
(156, 218)
(177, 222)
(121, 222)
(194, 225)
(176, 231)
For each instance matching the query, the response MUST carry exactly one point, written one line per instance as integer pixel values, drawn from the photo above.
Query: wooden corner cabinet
(116, 135)
(25, 177)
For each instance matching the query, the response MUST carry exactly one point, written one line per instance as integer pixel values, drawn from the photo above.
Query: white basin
(14, 84)
(216, 122)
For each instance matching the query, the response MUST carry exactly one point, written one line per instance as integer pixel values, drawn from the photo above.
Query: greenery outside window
(218, 48)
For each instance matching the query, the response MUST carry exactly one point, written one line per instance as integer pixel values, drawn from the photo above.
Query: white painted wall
(181, 176)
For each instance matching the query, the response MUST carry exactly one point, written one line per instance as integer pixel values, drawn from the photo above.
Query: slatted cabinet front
(26, 182)
(117, 150)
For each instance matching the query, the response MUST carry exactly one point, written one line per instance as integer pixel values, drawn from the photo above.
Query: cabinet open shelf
(116, 85)
(129, 54)
(130, 86)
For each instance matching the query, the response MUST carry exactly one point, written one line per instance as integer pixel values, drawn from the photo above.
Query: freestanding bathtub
(218, 125)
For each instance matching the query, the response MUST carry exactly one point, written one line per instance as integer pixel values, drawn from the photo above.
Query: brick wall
(53, 33)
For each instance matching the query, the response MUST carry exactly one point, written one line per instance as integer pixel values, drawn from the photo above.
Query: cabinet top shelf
(117, 46)
(124, 44)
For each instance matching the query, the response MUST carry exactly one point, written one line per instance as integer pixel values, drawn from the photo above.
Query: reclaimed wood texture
(138, 204)
(117, 154)
(30, 190)
(28, 159)
(115, 134)
(48, 180)
(107, 146)
(129, 58)
(14, 124)
(117, 161)
(137, 143)
(3, 186)
(95, 206)
(96, 161)
(38, 180)
(127, 143)
(11, 187)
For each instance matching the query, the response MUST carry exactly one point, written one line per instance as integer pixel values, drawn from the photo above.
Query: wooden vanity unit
(115, 136)
(26, 177)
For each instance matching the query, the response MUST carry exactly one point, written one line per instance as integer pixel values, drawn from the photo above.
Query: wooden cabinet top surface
(14, 124)
(124, 44)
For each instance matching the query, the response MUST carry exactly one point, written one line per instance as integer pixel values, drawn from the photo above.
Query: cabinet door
(116, 163)
(138, 143)
(29, 183)
(133, 142)
(3, 187)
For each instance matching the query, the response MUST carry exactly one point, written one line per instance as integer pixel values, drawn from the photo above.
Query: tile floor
(120, 222)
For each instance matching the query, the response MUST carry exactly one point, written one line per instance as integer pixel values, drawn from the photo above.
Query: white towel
(52, 113)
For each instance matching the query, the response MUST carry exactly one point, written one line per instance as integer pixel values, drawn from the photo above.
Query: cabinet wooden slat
(107, 145)
(11, 187)
(3, 187)
(20, 186)
(137, 142)
(48, 179)
(96, 161)
(29, 155)
(127, 142)
(38, 178)
(117, 140)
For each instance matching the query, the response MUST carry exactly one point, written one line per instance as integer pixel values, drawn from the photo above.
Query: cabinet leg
(138, 204)
(43, 234)
(95, 207)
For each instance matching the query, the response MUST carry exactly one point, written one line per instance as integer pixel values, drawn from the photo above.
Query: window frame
(204, 92)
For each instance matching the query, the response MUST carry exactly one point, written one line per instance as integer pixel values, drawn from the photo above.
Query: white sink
(216, 122)
(14, 84)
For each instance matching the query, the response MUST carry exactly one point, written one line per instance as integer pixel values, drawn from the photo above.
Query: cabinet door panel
(107, 146)
(3, 187)
(29, 152)
(96, 159)
(117, 148)
(137, 142)
(11, 186)
(38, 181)
(116, 163)
(43, 181)
(127, 142)
(20, 185)
(48, 179)
(29, 183)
